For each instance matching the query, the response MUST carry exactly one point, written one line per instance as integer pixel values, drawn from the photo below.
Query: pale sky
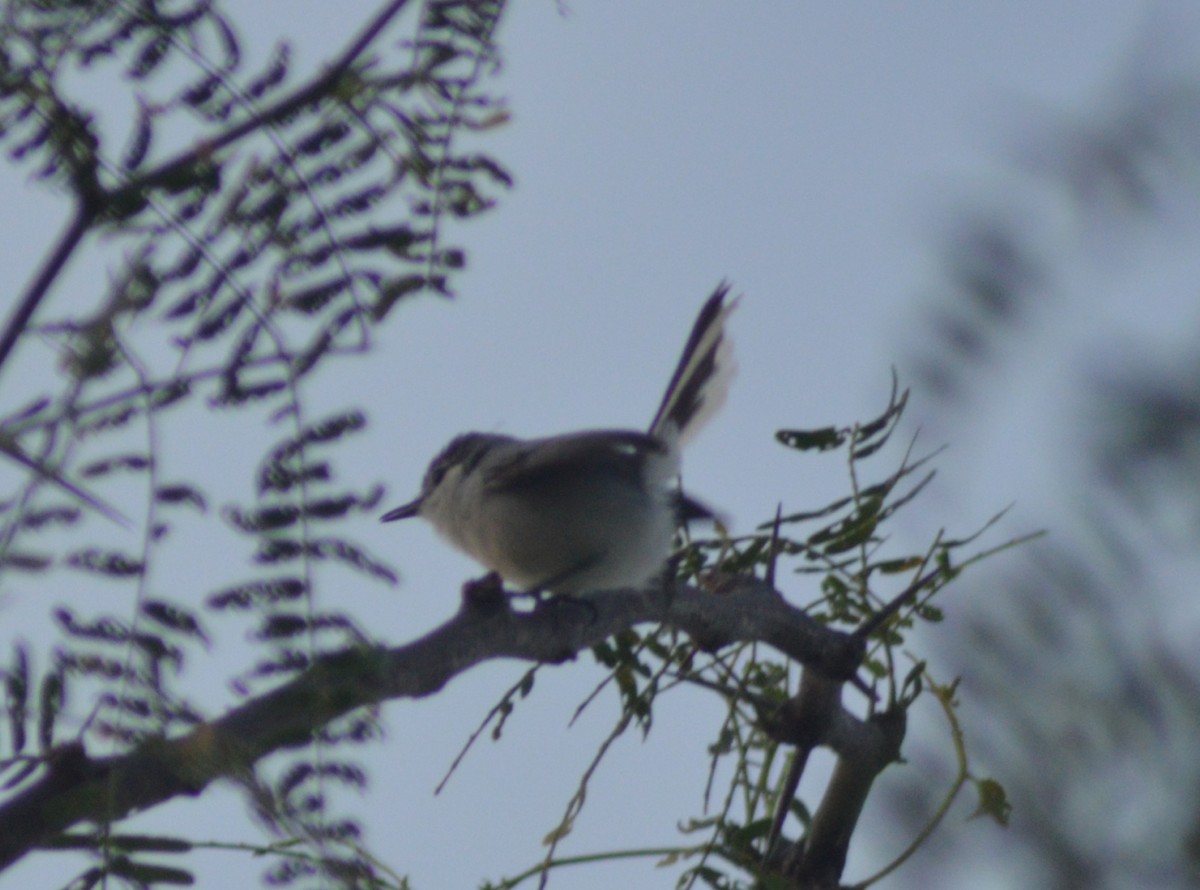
(811, 154)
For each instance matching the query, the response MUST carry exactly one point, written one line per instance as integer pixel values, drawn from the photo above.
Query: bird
(584, 511)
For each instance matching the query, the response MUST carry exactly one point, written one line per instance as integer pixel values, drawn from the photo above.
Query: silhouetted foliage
(1075, 651)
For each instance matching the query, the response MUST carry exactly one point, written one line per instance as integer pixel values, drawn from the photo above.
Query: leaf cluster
(261, 222)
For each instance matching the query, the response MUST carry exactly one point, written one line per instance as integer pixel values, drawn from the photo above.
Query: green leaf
(898, 566)
(993, 801)
(156, 843)
(930, 613)
(745, 835)
(146, 873)
(825, 439)
(16, 682)
(53, 695)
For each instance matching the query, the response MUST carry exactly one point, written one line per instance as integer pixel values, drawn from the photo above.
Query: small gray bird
(593, 510)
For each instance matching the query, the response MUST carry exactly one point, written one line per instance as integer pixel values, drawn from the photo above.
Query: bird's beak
(412, 508)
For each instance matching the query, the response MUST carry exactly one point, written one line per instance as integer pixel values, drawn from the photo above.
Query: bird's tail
(701, 379)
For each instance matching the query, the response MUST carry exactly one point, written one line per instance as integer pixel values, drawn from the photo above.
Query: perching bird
(592, 510)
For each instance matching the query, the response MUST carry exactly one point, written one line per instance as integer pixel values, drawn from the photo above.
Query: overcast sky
(811, 153)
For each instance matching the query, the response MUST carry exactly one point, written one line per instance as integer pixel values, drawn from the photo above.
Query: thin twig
(80, 222)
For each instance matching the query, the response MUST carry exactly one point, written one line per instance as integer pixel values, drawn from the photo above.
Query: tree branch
(78, 788)
(67, 242)
(317, 89)
(862, 755)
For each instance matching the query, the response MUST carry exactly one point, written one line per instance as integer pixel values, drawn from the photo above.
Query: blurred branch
(95, 200)
(318, 88)
(67, 242)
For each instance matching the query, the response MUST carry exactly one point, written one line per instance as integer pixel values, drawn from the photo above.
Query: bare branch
(80, 222)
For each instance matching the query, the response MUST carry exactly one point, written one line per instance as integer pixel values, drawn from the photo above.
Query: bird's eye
(436, 474)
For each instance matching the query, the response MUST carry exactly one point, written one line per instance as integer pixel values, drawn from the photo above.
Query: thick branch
(823, 853)
(816, 717)
(77, 788)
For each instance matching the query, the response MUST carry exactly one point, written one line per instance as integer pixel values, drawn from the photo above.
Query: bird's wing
(617, 452)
